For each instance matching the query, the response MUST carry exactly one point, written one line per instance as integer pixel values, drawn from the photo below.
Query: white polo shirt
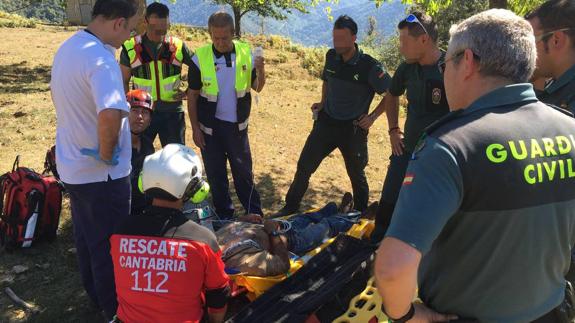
(226, 109)
(86, 79)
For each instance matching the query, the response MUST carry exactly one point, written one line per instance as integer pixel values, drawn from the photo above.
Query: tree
(371, 35)
(520, 7)
(276, 9)
(52, 11)
(457, 11)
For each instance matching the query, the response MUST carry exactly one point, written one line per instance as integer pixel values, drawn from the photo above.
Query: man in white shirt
(93, 146)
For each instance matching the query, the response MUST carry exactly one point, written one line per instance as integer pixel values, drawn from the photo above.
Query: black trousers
(97, 208)
(227, 143)
(390, 193)
(327, 135)
(170, 126)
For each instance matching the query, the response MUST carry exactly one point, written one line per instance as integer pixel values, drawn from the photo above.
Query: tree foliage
(52, 11)
(521, 7)
(457, 11)
(276, 9)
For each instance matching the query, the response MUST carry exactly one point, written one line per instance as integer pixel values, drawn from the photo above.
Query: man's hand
(198, 137)
(424, 314)
(95, 153)
(316, 107)
(396, 140)
(251, 218)
(365, 121)
(270, 226)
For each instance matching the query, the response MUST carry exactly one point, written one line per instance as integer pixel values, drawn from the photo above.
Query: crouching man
(168, 268)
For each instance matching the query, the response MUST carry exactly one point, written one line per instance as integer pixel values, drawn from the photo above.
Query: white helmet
(173, 173)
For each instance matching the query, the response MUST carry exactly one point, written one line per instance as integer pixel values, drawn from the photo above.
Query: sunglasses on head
(412, 19)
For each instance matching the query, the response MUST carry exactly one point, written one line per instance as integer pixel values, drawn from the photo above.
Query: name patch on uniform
(408, 180)
(151, 254)
(436, 95)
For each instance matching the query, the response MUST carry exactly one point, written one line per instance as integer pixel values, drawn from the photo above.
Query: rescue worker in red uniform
(168, 268)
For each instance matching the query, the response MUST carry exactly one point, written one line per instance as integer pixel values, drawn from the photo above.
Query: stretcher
(365, 307)
(255, 286)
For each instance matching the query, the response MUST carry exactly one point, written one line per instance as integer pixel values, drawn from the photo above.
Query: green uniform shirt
(352, 85)
(425, 96)
(489, 201)
(154, 49)
(561, 92)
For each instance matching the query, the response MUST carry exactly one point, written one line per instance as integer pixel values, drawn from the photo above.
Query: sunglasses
(543, 36)
(442, 63)
(412, 19)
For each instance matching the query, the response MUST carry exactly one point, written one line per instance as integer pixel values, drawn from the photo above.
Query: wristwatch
(402, 319)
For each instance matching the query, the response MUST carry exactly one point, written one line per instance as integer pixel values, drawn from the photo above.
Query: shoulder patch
(408, 179)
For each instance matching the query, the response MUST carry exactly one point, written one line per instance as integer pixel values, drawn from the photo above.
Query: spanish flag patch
(408, 179)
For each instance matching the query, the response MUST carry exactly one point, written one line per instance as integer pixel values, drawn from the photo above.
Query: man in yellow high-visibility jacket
(219, 104)
(154, 63)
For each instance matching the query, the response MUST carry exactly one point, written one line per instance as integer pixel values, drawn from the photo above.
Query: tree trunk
(141, 27)
(498, 4)
(237, 21)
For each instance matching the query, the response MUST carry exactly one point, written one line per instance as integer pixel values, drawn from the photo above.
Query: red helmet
(140, 98)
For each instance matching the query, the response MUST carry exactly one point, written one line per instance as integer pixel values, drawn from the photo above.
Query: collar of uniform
(567, 77)
(218, 54)
(354, 59)
(509, 94)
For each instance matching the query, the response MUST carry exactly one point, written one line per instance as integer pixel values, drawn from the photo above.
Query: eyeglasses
(542, 36)
(442, 63)
(412, 19)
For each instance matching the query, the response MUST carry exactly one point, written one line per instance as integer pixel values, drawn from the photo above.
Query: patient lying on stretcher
(261, 247)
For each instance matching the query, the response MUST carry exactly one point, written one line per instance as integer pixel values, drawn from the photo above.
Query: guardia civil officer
(554, 28)
(421, 81)
(350, 80)
(485, 220)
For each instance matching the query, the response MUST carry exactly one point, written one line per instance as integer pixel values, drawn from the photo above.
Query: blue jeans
(309, 230)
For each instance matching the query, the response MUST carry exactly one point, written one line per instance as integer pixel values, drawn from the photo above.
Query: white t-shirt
(227, 102)
(86, 79)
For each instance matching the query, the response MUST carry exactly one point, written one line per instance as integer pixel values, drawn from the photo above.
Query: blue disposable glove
(95, 153)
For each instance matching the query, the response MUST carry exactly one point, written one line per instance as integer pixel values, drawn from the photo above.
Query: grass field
(278, 129)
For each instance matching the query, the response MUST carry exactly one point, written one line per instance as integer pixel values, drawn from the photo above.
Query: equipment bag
(30, 206)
